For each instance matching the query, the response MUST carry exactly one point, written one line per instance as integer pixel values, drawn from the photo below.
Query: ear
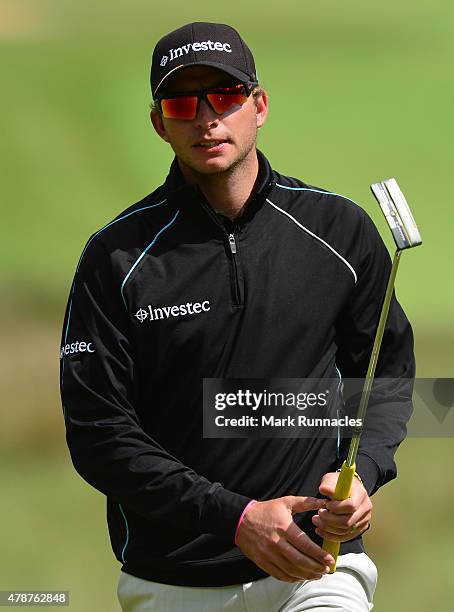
(261, 104)
(158, 124)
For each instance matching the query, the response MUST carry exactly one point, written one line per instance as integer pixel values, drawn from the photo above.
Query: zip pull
(232, 243)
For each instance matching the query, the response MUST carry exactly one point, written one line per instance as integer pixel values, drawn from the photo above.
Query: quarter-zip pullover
(170, 293)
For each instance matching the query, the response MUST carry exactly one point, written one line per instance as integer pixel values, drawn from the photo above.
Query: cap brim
(238, 74)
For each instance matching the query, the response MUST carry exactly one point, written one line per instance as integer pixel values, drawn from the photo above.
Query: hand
(343, 520)
(273, 541)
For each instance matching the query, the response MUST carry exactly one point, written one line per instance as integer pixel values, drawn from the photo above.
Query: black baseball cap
(202, 44)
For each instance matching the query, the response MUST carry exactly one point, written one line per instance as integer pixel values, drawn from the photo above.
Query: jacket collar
(177, 190)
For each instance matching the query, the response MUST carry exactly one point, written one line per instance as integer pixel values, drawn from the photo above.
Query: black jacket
(293, 288)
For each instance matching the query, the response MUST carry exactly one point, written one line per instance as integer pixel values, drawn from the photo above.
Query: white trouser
(350, 588)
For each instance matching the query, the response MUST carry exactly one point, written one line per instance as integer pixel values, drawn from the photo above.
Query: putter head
(397, 213)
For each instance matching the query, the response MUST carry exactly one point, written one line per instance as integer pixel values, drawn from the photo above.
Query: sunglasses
(220, 99)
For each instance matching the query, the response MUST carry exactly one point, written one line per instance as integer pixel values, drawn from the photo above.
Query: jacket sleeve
(107, 444)
(390, 405)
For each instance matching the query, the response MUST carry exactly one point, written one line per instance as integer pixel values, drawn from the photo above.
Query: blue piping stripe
(143, 255)
(80, 259)
(69, 315)
(127, 534)
(308, 231)
(116, 221)
(96, 234)
(66, 335)
(338, 428)
(316, 191)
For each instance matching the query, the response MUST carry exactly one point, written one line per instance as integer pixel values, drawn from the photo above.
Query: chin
(210, 166)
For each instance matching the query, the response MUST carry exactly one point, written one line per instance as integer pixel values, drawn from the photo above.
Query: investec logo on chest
(165, 312)
(207, 45)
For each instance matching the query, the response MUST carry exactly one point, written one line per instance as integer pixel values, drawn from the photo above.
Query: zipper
(235, 284)
(233, 248)
(232, 243)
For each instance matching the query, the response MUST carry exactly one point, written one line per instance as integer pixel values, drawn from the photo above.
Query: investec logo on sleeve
(207, 45)
(76, 347)
(165, 312)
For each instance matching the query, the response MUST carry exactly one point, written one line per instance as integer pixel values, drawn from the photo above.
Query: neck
(227, 192)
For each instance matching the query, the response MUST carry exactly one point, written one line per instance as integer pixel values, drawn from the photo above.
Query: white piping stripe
(316, 191)
(316, 237)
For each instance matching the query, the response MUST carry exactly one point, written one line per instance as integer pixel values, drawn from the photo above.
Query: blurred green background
(358, 92)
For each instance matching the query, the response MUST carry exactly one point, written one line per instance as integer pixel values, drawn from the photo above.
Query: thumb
(328, 485)
(303, 504)
(327, 489)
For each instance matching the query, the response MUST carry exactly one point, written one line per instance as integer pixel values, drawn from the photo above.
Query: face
(228, 139)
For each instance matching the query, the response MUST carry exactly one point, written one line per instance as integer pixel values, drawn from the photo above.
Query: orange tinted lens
(179, 108)
(222, 101)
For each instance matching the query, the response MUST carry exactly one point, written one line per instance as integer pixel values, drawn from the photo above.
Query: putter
(406, 236)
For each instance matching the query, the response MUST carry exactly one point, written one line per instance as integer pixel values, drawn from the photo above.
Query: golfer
(227, 270)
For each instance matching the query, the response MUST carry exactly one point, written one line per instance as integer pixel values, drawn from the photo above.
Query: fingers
(277, 572)
(328, 484)
(299, 572)
(296, 563)
(349, 505)
(283, 561)
(354, 532)
(341, 527)
(274, 570)
(294, 553)
(305, 545)
(357, 494)
(303, 504)
(341, 522)
(286, 563)
(270, 538)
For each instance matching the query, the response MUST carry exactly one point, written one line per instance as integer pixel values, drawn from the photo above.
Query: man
(227, 270)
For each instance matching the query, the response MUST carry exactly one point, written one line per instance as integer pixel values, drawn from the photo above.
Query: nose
(206, 117)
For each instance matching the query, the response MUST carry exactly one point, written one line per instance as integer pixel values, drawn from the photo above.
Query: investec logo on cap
(207, 45)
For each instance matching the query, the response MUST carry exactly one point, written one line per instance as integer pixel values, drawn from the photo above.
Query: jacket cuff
(369, 472)
(222, 513)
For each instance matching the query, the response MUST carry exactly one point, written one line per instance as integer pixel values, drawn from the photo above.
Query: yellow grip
(342, 491)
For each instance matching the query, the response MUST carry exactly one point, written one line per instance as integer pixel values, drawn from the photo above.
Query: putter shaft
(406, 235)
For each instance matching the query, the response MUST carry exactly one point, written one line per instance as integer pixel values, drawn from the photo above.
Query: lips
(210, 144)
